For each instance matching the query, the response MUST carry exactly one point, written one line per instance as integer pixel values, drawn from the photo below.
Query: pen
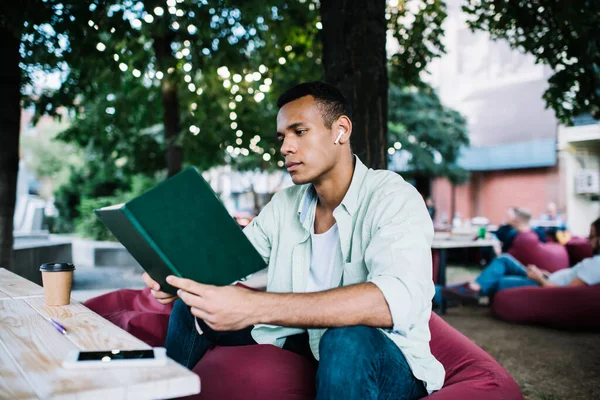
(58, 326)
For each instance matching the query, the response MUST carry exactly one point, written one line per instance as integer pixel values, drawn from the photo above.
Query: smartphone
(116, 358)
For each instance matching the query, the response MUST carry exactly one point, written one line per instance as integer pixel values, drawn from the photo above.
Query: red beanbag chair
(560, 307)
(578, 249)
(268, 372)
(528, 249)
(255, 373)
(471, 373)
(135, 311)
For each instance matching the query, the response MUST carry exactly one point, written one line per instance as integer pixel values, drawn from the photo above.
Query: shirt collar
(350, 201)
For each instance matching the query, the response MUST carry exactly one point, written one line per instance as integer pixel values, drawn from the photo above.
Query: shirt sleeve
(398, 256)
(589, 270)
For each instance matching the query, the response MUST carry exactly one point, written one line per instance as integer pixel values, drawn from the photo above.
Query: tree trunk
(354, 58)
(170, 102)
(10, 124)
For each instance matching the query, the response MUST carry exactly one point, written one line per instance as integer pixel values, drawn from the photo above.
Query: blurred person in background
(506, 272)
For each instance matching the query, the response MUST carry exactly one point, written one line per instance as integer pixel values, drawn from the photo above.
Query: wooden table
(442, 245)
(31, 352)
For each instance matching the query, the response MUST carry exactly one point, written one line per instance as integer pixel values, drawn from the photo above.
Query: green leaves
(562, 34)
(417, 28)
(428, 134)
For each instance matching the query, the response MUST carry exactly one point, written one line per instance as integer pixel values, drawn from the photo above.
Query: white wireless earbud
(339, 136)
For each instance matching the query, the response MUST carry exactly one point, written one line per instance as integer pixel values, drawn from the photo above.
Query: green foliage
(95, 186)
(90, 181)
(49, 159)
(562, 34)
(89, 226)
(430, 134)
(134, 51)
(417, 27)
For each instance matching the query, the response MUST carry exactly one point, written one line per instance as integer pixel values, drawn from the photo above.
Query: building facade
(515, 158)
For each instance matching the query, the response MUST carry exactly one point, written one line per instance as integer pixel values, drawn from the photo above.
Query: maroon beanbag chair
(265, 371)
(135, 311)
(528, 249)
(471, 373)
(578, 249)
(559, 307)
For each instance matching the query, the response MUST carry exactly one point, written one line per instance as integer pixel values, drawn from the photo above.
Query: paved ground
(547, 364)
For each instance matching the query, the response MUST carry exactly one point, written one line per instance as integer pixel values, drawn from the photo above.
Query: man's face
(307, 144)
(511, 217)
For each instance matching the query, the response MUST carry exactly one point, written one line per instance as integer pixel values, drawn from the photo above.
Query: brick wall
(490, 193)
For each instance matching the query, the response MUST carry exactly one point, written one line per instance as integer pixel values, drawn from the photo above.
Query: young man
(349, 267)
(506, 272)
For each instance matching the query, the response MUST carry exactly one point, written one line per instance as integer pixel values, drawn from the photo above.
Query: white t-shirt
(587, 270)
(326, 251)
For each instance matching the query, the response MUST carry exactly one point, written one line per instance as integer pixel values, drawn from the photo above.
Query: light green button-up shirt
(385, 235)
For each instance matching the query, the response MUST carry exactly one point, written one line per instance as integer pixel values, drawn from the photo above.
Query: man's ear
(342, 130)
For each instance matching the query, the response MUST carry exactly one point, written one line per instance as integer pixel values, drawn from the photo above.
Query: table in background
(32, 350)
(442, 245)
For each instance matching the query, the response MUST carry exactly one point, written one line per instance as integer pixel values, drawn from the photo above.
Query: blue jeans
(356, 362)
(360, 362)
(503, 272)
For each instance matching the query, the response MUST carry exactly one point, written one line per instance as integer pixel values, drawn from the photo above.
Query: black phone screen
(110, 355)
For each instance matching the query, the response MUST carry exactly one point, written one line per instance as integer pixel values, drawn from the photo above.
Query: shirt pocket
(354, 272)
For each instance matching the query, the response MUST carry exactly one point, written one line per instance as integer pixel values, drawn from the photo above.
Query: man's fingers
(203, 315)
(164, 302)
(187, 285)
(151, 283)
(161, 295)
(191, 299)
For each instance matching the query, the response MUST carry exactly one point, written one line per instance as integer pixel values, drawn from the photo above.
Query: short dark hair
(522, 214)
(330, 100)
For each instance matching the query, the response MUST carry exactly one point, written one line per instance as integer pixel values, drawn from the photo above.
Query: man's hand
(226, 308)
(162, 297)
(535, 274)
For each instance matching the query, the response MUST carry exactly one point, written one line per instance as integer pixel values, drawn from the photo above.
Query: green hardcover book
(181, 228)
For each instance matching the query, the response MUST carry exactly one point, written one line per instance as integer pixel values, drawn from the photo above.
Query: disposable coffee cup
(57, 279)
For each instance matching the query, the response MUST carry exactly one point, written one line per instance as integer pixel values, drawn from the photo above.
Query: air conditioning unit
(587, 182)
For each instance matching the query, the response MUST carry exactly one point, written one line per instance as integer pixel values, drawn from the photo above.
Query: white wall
(579, 148)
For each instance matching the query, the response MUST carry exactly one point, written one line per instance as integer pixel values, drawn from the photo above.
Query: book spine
(151, 242)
